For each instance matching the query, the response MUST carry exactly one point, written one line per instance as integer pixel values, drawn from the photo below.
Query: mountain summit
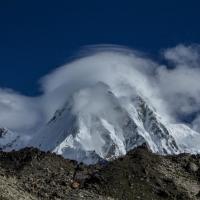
(99, 107)
(98, 123)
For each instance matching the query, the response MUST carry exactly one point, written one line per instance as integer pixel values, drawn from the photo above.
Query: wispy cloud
(173, 89)
(18, 112)
(179, 85)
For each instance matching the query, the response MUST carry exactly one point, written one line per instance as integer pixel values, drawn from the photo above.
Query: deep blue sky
(37, 36)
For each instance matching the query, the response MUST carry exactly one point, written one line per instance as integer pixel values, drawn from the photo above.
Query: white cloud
(112, 66)
(19, 112)
(183, 55)
(173, 91)
(196, 123)
(179, 85)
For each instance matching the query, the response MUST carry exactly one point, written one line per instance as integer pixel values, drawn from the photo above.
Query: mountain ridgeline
(30, 174)
(99, 123)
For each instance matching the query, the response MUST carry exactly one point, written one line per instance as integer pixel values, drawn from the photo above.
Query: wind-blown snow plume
(173, 89)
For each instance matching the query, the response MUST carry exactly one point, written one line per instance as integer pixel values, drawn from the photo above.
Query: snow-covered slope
(8, 140)
(95, 123)
(187, 139)
(101, 123)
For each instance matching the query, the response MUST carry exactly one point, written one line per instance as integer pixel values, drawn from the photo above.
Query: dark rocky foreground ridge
(32, 174)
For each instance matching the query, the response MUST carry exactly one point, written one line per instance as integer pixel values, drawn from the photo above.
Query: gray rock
(192, 167)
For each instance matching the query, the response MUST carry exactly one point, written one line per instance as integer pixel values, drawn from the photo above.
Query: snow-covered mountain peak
(98, 121)
(102, 122)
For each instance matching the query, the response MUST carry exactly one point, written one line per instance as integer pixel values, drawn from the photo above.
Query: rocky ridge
(33, 174)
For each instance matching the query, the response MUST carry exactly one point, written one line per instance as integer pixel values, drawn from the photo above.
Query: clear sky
(37, 36)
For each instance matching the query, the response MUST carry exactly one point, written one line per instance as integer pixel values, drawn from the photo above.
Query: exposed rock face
(30, 174)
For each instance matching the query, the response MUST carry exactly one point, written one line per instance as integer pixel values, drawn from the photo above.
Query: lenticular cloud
(172, 89)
